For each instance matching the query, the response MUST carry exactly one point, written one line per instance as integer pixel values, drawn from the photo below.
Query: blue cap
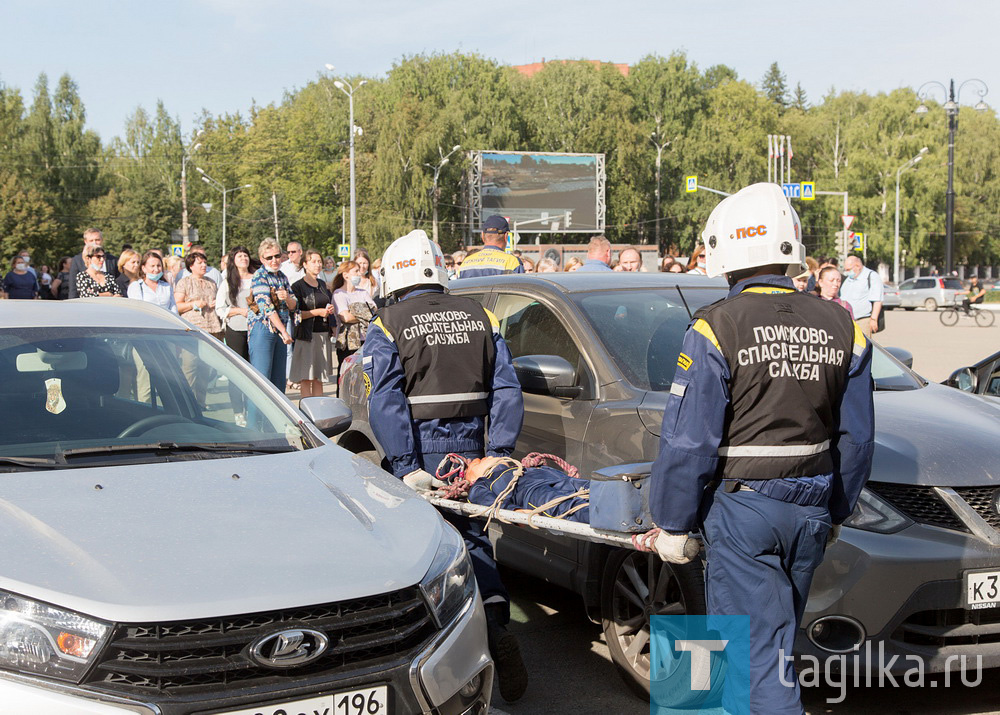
(496, 223)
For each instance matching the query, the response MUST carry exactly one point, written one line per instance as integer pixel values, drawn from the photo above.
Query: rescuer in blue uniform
(436, 368)
(491, 259)
(767, 439)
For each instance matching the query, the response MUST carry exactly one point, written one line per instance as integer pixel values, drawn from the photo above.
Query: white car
(162, 556)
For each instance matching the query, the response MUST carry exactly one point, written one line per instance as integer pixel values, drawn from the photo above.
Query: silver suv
(162, 556)
(928, 292)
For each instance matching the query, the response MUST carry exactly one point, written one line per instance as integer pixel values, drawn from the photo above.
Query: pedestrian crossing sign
(808, 191)
(177, 249)
(344, 250)
(691, 184)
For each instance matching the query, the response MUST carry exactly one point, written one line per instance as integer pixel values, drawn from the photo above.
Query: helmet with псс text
(412, 260)
(754, 227)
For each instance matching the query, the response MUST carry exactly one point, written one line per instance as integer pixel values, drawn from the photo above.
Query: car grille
(180, 657)
(981, 499)
(950, 627)
(921, 504)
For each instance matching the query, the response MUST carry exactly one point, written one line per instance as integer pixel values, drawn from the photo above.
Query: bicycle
(950, 315)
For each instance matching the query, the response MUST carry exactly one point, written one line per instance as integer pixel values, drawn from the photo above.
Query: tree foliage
(59, 177)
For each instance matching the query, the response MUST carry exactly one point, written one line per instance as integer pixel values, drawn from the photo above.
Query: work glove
(833, 536)
(422, 481)
(676, 548)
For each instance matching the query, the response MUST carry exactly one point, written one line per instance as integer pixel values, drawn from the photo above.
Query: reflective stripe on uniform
(494, 323)
(767, 289)
(677, 389)
(453, 397)
(700, 326)
(367, 360)
(860, 343)
(778, 450)
(378, 323)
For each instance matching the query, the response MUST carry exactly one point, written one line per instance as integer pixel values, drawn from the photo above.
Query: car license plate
(367, 701)
(982, 589)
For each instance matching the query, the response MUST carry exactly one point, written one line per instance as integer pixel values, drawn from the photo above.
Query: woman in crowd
(676, 267)
(311, 355)
(529, 265)
(195, 295)
(60, 284)
(151, 286)
(94, 282)
(354, 307)
(697, 262)
(232, 302)
(273, 304)
(128, 269)
(20, 283)
(573, 264)
(368, 281)
(828, 286)
(45, 283)
(174, 266)
(665, 264)
(547, 265)
(329, 271)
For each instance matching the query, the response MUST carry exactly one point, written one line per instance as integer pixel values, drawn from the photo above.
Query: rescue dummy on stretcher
(539, 490)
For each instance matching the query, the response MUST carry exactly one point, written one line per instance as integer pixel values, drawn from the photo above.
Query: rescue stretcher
(625, 502)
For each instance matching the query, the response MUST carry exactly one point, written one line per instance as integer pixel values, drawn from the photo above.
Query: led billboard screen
(539, 189)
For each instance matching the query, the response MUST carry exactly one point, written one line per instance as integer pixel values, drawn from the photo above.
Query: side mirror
(547, 375)
(904, 356)
(331, 415)
(964, 379)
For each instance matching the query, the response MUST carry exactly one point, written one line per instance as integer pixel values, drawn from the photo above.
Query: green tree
(26, 221)
(774, 86)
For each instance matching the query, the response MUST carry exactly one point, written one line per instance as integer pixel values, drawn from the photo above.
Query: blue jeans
(268, 354)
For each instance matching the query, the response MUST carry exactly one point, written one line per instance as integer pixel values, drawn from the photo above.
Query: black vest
(445, 345)
(789, 355)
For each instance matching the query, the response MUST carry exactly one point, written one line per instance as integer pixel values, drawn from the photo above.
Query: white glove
(833, 536)
(421, 481)
(676, 548)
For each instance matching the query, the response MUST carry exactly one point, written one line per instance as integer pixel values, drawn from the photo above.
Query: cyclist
(975, 292)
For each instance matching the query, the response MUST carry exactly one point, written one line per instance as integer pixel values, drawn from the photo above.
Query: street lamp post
(951, 109)
(659, 158)
(434, 191)
(895, 254)
(185, 228)
(349, 90)
(225, 198)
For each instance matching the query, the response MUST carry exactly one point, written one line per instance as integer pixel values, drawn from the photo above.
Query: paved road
(938, 351)
(572, 673)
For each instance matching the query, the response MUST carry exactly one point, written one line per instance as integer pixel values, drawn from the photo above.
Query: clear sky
(222, 54)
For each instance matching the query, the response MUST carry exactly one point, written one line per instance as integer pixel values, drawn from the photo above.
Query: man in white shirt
(293, 266)
(862, 288)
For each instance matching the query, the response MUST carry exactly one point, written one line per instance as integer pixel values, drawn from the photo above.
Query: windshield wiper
(29, 461)
(173, 447)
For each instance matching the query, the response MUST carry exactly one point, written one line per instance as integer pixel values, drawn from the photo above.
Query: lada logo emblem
(289, 648)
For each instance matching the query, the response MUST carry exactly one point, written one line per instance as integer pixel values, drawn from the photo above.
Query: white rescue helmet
(754, 227)
(412, 260)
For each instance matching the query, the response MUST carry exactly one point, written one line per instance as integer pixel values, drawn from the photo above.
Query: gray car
(928, 292)
(164, 555)
(909, 568)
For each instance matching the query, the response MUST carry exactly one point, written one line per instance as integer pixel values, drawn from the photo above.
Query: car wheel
(930, 304)
(635, 586)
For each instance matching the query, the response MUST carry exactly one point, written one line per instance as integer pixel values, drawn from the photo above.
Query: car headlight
(873, 513)
(449, 582)
(42, 639)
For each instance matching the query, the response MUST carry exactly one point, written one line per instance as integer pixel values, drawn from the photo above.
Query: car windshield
(76, 397)
(642, 331)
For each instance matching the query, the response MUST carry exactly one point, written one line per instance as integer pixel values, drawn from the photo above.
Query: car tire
(930, 304)
(664, 589)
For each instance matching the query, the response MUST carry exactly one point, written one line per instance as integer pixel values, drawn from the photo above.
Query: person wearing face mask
(94, 282)
(151, 286)
(354, 307)
(20, 283)
(697, 263)
(272, 306)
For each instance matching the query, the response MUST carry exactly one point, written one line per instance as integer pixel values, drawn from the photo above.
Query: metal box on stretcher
(619, 508)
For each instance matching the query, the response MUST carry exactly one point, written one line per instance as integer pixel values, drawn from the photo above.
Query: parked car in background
(162, 557)
(928, 292)
(983, 378)
(596, 354)
(890, 298)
